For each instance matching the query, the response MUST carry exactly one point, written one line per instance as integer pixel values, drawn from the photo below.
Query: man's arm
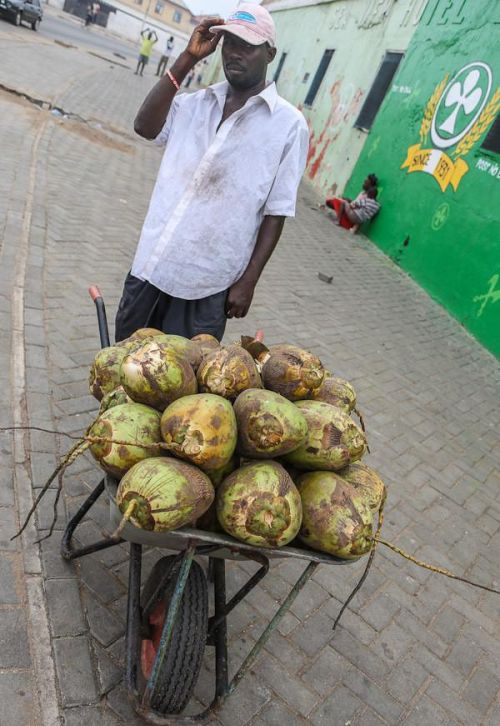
(153, 112)
(241, 293)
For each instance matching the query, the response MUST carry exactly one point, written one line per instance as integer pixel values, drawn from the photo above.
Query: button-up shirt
(215, 185)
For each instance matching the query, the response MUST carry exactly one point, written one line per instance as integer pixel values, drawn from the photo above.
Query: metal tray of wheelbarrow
(230, 549)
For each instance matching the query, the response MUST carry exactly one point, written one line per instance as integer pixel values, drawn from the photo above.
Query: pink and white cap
(250, 22)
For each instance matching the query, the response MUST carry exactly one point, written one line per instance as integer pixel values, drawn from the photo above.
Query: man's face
(245, 65)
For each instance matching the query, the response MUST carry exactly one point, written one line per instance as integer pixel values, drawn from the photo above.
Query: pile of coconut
(253, 441)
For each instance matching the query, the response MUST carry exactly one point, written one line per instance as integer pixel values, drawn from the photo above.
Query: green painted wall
(440, 216)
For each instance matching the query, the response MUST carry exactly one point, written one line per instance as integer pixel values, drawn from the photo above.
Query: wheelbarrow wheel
(181, 665)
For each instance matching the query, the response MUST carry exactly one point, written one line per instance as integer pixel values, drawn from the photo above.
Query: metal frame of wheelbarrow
(189, 543)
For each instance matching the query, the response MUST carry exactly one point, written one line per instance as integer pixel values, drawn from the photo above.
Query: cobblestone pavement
(414, 648)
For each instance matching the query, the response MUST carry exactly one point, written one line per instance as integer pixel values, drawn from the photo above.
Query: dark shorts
(144, 59)
(144, 306)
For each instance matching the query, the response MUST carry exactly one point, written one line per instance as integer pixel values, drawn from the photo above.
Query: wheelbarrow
(168, 623)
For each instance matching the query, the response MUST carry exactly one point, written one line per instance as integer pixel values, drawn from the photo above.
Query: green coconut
(167, 494)
(269, 425)
(259, 504)
(227, 372)
(137, 429)
(336, 517)
(201, 429)
(114, 398)
(333, 440)
(292, 372)
(208, 521)
(217, 476)
(142, 334)
(206, 343)
(183, 347)
(367, 482)
(104, 374)
(336, 391)
(155, 375)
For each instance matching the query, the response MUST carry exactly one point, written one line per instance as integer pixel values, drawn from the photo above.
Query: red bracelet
(174, 80)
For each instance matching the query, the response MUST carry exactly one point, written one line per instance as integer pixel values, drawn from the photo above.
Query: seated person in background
(370, 181)
(336, 203)
(351, 215)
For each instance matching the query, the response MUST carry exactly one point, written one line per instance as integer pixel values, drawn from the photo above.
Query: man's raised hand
(202, 41)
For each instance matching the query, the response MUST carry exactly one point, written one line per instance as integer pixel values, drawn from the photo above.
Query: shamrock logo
(460, 104)
(466, 97)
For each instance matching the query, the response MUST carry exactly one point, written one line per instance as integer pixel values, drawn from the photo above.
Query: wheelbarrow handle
(102, 321)
(94, 292)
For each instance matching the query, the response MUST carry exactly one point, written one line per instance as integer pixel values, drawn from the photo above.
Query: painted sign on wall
(456, 116)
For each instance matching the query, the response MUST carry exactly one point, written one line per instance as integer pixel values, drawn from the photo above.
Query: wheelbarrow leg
(254, 653)
(220, 632)
(133, 618)
(68, 552)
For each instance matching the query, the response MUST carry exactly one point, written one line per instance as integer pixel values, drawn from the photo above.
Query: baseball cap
(250, 22)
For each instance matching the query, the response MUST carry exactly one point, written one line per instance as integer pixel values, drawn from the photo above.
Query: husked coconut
(292, 372)
(156, 375)
(333, 440)
(114, 398)
(269, 425)
(124, 435)
(167, 494)
(206, 343)
(367, 482)
(336, 391)
(104, 374)
(336, 518)
(202, 429)
(227, 372)
(259, 504)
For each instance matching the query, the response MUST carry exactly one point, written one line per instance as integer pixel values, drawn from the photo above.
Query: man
(235, 153)
(162, 65)
(149, 38)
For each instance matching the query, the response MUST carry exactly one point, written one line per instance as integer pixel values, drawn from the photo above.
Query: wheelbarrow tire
(182, 662)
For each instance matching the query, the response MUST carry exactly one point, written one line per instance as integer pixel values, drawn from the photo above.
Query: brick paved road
(414, 648)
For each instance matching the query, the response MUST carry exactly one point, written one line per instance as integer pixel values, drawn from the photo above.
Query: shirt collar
(269, 95)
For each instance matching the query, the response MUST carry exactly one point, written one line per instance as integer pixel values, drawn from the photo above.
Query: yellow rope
(432, 568)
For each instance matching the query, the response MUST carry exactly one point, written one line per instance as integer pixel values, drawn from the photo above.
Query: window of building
(378, 90)
(138, 2)
(318, 77)
(279, 68)
(177, 16)
(492, 139)
(159, 7)
(306, 77)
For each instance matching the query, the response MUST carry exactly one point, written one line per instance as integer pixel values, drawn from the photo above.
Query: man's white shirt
(214, 188)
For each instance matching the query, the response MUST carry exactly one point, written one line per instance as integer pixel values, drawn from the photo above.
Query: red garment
(335, 203)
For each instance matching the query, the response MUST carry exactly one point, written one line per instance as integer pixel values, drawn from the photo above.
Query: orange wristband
(174, 80)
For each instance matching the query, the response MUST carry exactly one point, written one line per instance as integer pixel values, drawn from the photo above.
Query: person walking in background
(96, 9)
(162, 65)
(88, 17)
(235, 153)
(149, 38)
